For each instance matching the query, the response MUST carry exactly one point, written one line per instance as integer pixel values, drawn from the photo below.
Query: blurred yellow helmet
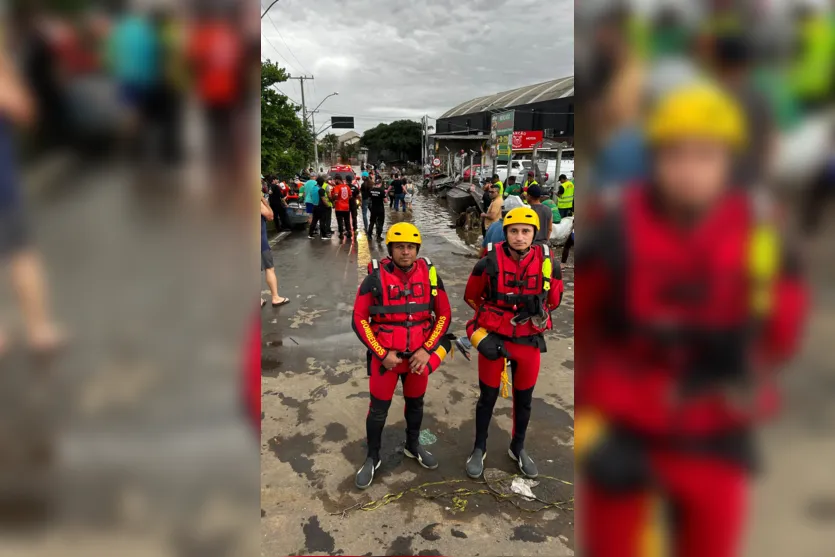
(696, 111)
(521, 215)
(403, 232)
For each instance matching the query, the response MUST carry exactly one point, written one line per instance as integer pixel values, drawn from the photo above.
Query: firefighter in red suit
(513, 290)
(402, 315)
(687, 306)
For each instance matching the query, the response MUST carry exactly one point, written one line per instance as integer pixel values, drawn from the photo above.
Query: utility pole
(302, 79)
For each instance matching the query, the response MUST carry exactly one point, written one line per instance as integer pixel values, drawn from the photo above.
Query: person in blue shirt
(311, 198)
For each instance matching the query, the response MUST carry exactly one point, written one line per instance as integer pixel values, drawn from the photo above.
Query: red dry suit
(500, 289)
(401, 311)
(677, 359)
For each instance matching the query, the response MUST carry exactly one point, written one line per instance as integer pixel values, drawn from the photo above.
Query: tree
(329, 145)
(348, 151)
(286, 142)
(402, 138)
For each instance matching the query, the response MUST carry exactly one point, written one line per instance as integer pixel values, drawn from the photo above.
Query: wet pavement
(315, 399)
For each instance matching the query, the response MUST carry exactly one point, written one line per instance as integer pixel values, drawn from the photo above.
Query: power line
(280, 36)
(277, 52)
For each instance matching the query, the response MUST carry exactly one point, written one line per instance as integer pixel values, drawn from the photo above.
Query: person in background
(278, 203)
(17, 254)
(312, 191)
(326, 205)
(531, 181)
(267, 264)
(409, 194)
(355, 205)
(544, 214)
(377, 194)
(494, 212)
(512, 188)
(398, 190)
(365, 193)
(497, 182)
(565, 196)
(342, 203)
(215, 55)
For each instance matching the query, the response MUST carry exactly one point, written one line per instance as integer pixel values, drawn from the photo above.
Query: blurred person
(494, 210)
(820, 194)
(32, 34)
(342, 203)
(326, 204)
(216, 57)
(377, 194)
(171, 87)
(811, 71)
(511, 316)
(497, 182)
(679, 337)
(544, 214)
(17, 108)
(731, 63)
(401, 315)
(133, 58)
(267, 264)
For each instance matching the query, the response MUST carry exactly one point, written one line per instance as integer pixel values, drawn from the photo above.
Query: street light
(313, 129)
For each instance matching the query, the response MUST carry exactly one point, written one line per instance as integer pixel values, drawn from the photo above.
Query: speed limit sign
(436, 162)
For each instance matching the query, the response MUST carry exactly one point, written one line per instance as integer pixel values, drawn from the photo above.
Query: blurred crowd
(131, 73)
(777, 59)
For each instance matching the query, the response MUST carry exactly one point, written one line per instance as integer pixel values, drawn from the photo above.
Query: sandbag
(562, 230)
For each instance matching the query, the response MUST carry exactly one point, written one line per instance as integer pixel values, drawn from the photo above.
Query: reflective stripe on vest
(566, 201)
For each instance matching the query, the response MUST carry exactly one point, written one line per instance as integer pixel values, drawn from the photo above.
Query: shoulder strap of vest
(547, 269)
(433, 280)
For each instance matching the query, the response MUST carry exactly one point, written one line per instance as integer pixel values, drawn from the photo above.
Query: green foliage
(286, 143)
(401, 137)
(328, 146)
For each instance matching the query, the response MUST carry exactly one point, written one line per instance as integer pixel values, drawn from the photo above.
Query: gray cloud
(393, 59)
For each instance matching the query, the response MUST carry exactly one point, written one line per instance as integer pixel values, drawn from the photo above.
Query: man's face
(520, 236)
(692, 174)
(403, 254)
(494, 192)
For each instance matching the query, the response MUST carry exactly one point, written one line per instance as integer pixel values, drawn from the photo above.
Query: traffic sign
(436, 162)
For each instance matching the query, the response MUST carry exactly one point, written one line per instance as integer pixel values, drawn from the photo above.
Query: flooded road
(315, 399)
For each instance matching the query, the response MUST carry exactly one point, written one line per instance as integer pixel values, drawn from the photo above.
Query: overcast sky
(394, 59)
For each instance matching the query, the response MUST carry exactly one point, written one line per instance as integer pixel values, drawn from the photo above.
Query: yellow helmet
(696, 111)
(521, 215)
(403, 232)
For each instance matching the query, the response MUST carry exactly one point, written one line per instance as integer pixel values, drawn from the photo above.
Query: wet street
(315, 399)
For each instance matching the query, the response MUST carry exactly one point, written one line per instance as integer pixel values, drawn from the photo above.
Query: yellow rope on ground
(506, 384)
(459, 496)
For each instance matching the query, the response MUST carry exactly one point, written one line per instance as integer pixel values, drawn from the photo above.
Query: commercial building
(544, 111)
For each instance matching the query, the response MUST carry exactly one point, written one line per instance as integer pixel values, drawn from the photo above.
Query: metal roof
(547, 91)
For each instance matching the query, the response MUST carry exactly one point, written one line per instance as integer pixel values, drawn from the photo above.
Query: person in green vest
(512, 188)
(555, 212)
(497, 183)
(531, 181)
(565, 196)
